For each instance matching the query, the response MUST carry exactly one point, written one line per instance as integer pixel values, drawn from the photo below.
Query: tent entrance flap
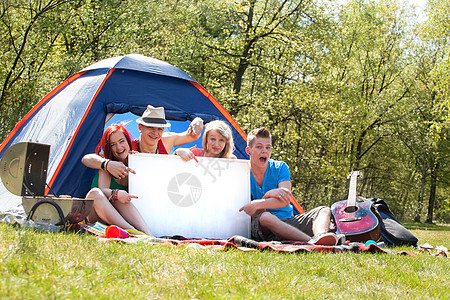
(174, 115)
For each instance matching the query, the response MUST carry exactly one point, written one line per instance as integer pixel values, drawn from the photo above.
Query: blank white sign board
(194, 200)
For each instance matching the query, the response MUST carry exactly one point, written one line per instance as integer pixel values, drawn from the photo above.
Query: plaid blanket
(241, 243)
(246, 244)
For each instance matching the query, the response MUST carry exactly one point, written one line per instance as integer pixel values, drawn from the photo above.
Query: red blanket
(241, 243)
(245, 244)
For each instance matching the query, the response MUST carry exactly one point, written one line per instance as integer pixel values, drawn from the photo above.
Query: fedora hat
(153, 117)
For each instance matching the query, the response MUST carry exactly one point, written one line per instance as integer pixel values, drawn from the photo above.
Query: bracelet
(103, 164)
(114, 196)
(106, 165)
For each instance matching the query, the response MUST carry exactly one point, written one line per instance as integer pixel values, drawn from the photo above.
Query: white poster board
(194, 200)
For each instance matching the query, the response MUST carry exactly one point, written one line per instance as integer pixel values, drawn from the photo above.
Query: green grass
(37, 265)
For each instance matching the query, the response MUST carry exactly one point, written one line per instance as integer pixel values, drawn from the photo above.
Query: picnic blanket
(240, 243)
(246, 244)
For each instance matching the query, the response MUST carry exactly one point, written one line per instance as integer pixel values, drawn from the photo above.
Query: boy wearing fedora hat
(152, 139)
(270, 208)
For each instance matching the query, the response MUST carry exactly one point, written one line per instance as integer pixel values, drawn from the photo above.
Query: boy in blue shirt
(270, 208)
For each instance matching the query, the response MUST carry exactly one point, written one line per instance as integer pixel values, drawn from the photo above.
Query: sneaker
(341, 239)
(324, 239)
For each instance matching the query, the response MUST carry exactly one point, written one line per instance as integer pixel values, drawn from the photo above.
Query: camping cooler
(23, 171)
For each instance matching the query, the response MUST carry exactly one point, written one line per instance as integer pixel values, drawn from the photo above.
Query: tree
(25, 52)
(46, 41)
(436, 79)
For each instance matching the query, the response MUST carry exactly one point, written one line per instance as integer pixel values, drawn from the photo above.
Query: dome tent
(71, 118)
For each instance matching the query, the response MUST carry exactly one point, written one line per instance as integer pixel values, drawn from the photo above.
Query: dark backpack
(392, 232)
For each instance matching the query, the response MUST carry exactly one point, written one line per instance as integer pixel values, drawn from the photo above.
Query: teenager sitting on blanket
(270, 209)
(112, 203)
(152, 139)
(217, 142)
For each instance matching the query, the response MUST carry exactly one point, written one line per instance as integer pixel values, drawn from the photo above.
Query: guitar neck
(351, 202)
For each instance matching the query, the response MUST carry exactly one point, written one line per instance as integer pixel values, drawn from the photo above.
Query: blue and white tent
(71, 118)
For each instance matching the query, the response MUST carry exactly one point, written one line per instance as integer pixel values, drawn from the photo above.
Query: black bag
(392, 232)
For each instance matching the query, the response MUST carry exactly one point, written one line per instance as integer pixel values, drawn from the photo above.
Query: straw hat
(153, 117)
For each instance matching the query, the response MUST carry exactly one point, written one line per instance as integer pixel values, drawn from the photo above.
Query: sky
(421, 3)
(420, 10)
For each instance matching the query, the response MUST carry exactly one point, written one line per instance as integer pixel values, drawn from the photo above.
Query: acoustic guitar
(356, 220)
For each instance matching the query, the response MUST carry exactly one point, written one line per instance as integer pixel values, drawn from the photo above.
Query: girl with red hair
(112, 203)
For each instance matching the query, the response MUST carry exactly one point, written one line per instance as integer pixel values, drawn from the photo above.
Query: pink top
(198, 152)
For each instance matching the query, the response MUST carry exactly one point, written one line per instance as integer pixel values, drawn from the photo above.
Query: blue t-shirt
(277, 171)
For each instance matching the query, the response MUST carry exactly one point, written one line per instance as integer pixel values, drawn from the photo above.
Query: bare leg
(104, 210)
(322, 222)
(130, 213)
(281, 229)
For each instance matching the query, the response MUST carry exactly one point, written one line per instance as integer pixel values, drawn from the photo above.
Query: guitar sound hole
(351, 209)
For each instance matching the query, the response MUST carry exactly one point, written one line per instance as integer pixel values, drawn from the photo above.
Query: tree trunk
(247, 51)
(432, 193)
(421, 193)
(405, 195)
